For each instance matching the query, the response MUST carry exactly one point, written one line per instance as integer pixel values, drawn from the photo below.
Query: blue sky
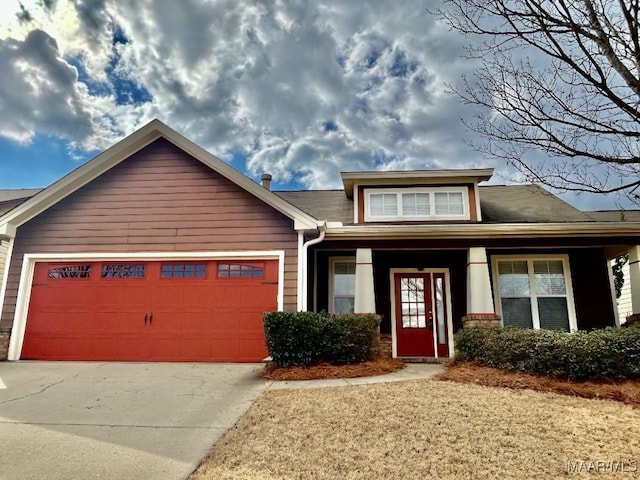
(302, 90)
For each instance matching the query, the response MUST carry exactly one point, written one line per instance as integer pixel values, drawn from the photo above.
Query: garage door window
(183, 270)
(123, 271)
(70, 271)
(240, 270)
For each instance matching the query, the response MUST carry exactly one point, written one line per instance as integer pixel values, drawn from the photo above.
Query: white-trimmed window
(534, 292)
(342, 284)
(415, 204)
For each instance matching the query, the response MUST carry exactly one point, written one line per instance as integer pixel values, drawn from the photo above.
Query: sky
(298, 89)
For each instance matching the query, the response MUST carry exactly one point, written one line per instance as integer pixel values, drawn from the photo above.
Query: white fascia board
(130, 145)
(475, 230)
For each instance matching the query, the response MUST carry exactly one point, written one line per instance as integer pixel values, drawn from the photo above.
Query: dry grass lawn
(424, 429)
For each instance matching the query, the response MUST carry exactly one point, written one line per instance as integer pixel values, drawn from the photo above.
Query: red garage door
(209, 311)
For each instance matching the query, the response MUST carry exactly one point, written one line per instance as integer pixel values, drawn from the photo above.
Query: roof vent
(266, 181)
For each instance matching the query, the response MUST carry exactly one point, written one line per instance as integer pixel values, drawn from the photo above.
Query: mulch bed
(379, 366)
(625, 391)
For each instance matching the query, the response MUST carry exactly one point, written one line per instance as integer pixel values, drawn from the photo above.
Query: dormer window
(416, 204)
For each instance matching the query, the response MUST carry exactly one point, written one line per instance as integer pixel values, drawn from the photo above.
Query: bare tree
(557, 76)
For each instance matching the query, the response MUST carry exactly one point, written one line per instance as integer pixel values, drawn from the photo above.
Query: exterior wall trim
(30, 260)
(4, 280)
(447, 280)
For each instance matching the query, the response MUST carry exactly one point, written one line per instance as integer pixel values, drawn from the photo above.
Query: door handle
(151, 318)
(145, 318)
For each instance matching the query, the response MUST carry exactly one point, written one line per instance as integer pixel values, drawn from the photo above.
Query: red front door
(421, 326)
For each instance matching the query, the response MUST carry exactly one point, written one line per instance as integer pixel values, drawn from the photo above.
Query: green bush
(306, 338)
(611, 352)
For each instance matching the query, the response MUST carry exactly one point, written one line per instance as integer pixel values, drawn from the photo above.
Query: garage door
(208, 311)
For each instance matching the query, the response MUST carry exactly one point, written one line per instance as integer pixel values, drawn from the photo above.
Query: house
(156, 250)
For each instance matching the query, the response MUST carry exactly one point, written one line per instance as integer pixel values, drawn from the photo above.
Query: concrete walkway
(413, 371)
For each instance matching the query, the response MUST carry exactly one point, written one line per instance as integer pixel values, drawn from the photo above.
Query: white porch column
(365, 298)
(480, 307)
(634, 277)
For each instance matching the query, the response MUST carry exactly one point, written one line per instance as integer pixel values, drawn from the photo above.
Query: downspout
(303, 262)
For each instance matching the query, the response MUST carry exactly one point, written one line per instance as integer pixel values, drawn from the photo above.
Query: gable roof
(331, 205)
(11, 198)
(124, 149)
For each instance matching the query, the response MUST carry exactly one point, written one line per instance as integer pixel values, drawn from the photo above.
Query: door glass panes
(183, 270)
(344, 286)
(383, 205)
(234, 270)
(70, 271)
(123, 271)
(415, 205)
(439, 294)
(413, 303)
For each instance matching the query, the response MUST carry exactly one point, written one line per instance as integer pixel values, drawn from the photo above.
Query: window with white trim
(415, 204)
(342, 284)
(535, 292)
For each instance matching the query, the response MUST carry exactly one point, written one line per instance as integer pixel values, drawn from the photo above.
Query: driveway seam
(124, 425)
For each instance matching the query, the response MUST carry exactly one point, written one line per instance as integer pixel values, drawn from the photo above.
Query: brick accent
(634, 320)
(4, 343)
(384, 345)
(481, 320)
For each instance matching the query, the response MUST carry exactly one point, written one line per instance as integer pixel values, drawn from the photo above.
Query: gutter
(476, 230)
(303, 261)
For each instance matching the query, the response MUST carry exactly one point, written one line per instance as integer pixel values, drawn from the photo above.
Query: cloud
(299, 89)
(39, 90)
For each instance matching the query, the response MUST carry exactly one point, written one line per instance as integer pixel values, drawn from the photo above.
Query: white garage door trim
(30, 259)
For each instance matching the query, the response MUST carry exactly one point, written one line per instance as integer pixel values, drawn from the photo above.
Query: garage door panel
(194, 311)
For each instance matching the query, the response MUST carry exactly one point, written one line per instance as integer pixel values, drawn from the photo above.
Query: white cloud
(304, 90)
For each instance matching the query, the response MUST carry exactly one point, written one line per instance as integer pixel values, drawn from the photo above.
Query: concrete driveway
(77, 420)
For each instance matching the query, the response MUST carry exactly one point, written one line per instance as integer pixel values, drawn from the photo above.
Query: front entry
(421, 323)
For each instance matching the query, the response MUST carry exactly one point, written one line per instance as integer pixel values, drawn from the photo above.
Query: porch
(426, 292)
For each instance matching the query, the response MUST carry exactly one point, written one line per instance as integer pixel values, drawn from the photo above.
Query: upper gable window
(415, 204)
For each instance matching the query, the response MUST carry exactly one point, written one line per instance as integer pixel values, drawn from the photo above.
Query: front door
(420, 314)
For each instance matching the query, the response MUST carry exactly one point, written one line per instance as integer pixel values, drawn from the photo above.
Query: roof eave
(378, 177)
(480, 230)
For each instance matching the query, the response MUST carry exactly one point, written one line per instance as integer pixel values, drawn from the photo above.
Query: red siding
(159, 199)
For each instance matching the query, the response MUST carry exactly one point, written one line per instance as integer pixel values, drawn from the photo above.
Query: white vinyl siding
(534, 292)
(417, 204)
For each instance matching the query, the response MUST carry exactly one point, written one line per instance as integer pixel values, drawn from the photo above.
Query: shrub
(611, 352)
(306, 338)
